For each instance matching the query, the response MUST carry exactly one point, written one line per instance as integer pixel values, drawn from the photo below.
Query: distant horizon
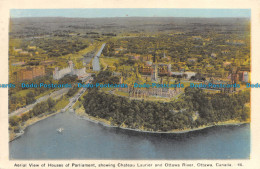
(131, 13)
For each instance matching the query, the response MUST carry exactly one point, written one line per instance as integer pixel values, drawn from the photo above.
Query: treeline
(72, 91)
(183, 48)
(109, 49)
(105, 77)
(153, 116)
(157, 116)
(18, 101)
(38, 109)
(59, 46)
(216, 107)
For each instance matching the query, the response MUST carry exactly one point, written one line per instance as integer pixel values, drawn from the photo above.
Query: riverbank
(59, 106)
(34, 120)
(80, 137)
(80, 112)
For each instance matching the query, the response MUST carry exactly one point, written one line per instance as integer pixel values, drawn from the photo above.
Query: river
(95, 62)
(83, 139)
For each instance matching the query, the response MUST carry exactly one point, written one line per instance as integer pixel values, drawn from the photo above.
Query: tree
(24, 117)
(51, 102)
(30, 98)
(14, 120)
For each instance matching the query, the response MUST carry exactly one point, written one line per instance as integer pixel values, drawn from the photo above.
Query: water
(82, 139)
(95, 62)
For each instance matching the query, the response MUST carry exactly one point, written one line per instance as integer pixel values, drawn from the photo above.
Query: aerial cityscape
(158, 75)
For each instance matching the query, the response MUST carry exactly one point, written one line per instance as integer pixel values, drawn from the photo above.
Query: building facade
(58, 74)
(30, 73)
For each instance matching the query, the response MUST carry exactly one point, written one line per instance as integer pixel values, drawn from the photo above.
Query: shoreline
(30, 123)
(105, 123)
(82, 115)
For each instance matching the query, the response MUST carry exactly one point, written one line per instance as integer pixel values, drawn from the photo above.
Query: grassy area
(105, 62)
(211, 91)
(62, 103)
(23, 93)
(248, 105)
(75, 57)
(45, 93)
(106, 89)
(103, 65)
(161, 99)
(110, 60)
(121, 93)
(78, 104)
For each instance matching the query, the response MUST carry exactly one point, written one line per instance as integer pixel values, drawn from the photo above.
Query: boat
(60, 130)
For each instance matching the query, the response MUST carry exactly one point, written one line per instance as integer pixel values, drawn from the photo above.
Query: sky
(130, 12)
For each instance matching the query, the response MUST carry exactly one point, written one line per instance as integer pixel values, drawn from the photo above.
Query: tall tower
(234, 77)
(154, 74)
(169, 66)
(56, 73)
(121, 80)
(71, 66)
(154, 58)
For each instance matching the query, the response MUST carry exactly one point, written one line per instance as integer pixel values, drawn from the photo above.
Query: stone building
(164, 69)
(154, 73)
(146, 92)
(58, 74)
(156, 69)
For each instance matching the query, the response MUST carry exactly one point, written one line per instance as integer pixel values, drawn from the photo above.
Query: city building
(18, 63)
(147, 70)
(154, 74)
(30, 73)
(164, 69)
(86, 78)
(157, 92)
(48, 62)
(213, 55)
(58, 74)
(147, 58)
(243, 76)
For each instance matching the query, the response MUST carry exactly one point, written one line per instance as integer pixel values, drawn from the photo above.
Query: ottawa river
(83, 139)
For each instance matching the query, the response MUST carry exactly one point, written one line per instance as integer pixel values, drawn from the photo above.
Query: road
(74, 99)
(59, 93)
(55, 95)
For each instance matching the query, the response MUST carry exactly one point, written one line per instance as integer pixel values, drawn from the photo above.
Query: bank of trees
(157, 116)
(217, 107)
(17, 101)
(106, 77)
(56, 47)
(72, 91)
(40, 108)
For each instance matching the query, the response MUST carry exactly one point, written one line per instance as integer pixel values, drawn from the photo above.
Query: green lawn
(23, 93)
(62, 103)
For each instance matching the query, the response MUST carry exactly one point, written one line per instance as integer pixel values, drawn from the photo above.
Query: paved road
(59, 93)
(74, 99)
(55, 95)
